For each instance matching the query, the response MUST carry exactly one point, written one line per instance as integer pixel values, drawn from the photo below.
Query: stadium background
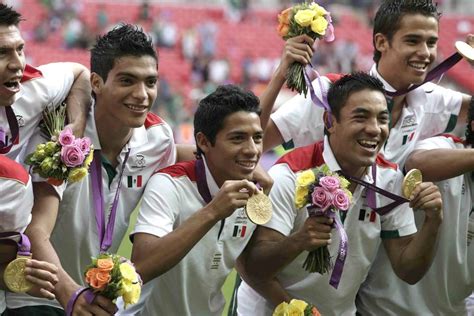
(205, 43)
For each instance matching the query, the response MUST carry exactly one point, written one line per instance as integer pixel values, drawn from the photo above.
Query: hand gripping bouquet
(296, 308)
(324, 193)
(112, 276)
(64, 157)
(305, 18)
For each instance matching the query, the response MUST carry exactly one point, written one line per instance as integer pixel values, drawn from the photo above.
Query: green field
(126, 249)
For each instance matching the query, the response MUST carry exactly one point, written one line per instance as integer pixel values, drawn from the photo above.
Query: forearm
(269, 96)
(441, 164)
(185, 152)
(78, 100)
(155, 256)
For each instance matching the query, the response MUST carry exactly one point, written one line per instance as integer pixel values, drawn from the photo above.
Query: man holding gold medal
(197, 216)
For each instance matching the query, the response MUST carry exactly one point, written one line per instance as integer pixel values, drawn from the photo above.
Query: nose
(424, 50)
(140, 92)
(373, 127)
(16, 62)
(252, 149)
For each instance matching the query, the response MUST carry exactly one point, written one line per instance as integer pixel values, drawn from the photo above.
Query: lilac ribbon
(372, 189)
(105, 233)
(343, 244)
(14, 129)
(321, 102)
(88, 295)
(24, 245)
(204, 189)
(434, 73)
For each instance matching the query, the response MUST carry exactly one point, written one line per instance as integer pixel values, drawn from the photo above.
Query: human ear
(202, 142)
(329, 120)
(96, 83)
(381, 42)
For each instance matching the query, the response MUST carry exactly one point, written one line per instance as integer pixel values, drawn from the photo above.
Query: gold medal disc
(14, 275)
(466, 50)
(259, 208)
(411, 180)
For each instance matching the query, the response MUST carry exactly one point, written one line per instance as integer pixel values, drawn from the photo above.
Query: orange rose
(283, 29)
(97, 279)
(284, 22)
(106, 264)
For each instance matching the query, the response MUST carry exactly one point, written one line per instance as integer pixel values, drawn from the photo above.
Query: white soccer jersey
(429, 110)
(365, 230)
(193, 286)
(47, 85)
(75, 237)
(450, 279)
(16, 201)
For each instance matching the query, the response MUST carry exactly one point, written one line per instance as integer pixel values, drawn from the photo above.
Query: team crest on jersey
(134, 181)
(20, 120)
(139, 161)
(409, 121)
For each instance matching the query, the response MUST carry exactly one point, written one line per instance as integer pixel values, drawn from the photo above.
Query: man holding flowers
(272, 263)
(129, 144)
(191, 225)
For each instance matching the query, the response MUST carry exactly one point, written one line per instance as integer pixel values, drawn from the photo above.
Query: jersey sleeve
(16, 200)
(159, 206)
(439, 142)
(282, 197)
(400, 221)
(58, 79)
(299, 119)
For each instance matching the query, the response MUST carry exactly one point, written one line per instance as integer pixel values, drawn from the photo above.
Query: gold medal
(259, 208)
(14, 275)
(411, 180)
(466, 50)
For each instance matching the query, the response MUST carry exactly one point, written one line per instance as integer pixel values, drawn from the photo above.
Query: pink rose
(72, 156)
(84, 144)
(66, 137)
(341, 200)
(329, 183)
(321, 198)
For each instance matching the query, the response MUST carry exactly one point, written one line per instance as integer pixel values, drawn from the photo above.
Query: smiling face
(129, 91)
(237, 148)
(405, 58)
(12, 63)
(359, 134)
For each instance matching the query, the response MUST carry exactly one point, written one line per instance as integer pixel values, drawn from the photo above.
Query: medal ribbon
(105, 233)
(14, 129)
(24, 244)
(204, 189)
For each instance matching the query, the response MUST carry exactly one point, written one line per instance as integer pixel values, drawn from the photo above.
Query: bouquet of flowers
(113, 276)
(304, 18)
(324, 193)
(64, 157)
(296, 308)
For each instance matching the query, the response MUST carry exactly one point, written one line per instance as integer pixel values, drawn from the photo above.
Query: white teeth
(246, 164)
(136, 108)
(368, 143)
(419, 66)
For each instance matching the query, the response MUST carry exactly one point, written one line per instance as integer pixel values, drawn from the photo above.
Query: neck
(112, 136)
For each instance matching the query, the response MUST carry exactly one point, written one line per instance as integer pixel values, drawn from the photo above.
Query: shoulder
(304, 157)
(181, 169)
(437, 92)
(11, 170)
(31, 73)
(153, 120)
(446, 141)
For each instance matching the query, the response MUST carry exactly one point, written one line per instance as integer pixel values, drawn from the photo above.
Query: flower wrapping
(305, 18)
(114, 276)
(64, 157)
(323, 193)
(296, 308)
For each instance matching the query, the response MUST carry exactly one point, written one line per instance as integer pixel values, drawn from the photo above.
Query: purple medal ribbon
(23, 244)
(434, 73)
(204, 189)
(105, 233)
(14, 129)
(342, 250)
(321, 102)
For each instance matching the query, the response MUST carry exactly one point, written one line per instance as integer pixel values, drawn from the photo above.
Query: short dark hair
(123, 40)
(340, 90)
(390, 13)
(213, 109)
(8, 16)
(470, 118)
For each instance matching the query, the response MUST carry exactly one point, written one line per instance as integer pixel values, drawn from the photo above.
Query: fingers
(470, 39)
(43, 276)
(106, 304)
(426, 196)
(317, 232)
(298, 49)
(263, 179)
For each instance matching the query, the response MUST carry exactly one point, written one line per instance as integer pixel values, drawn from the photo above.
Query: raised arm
(411, 256)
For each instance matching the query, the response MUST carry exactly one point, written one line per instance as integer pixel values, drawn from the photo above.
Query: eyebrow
(360, 110)
(129, 74)
(418, 36)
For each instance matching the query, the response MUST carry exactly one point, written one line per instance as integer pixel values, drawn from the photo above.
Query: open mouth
(137, 108)
(250, 165)
(12, 85)
(420, 66)
(368, 144)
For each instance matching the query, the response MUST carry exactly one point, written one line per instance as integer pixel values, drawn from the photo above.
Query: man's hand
(232, 195)
(470, 41)
(315, 233)
(43, 276)
(426, 197)
(297, 49)
(263, 178)
(100, 306)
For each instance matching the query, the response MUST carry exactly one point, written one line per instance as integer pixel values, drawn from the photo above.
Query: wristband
(73, 299)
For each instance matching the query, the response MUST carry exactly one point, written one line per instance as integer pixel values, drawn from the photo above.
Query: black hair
(213, 110)
(390, 13)
(340, 90)
(123, 40)
(470, 119)
(8, 16)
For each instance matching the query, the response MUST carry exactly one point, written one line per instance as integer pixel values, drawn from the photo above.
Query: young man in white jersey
(405, 40)
(129, 143)
(191, 225)
(16, 201)
(449, 161)
(272, 263)
(26, 91)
